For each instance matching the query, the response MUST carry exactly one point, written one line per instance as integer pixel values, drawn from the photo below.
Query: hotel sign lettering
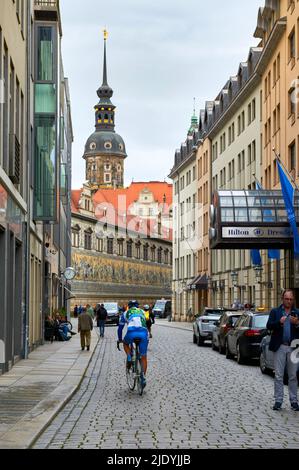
(256, 232)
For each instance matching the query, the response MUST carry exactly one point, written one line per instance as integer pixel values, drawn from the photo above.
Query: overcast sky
(161, 54)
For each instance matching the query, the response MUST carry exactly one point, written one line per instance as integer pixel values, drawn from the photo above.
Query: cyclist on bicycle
(135, 319)
(150, 318)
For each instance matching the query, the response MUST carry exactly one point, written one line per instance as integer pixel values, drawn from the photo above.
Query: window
(292, 156)
(166, 256)
(110, 246)
(145, 252)
(87, 240)
(45, 54)
(129, 249)
(160, 255)
(292, 47)
(107, 177)
(153, 254)
(292, 102)
(75, 238)
(249, 114)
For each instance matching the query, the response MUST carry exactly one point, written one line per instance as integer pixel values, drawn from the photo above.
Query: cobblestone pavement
(195, 398)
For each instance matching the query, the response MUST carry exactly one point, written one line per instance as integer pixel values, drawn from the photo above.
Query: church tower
(105, 150)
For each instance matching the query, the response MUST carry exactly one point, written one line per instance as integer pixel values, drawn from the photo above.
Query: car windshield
(111, 307)
(234, 319)
(260, 321)
(160, 305)
(212, 312)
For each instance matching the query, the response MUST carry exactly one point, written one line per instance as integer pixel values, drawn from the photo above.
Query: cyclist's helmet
(146, 307)
(133, 303)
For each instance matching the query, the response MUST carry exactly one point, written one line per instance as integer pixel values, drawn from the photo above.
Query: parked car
(162, 308)
(223, 326)
(204, 325)
(113, 312)
(267, 359)
(245, 338)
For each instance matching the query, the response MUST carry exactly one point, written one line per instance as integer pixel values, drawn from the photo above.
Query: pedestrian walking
(85, 327)
(284, 324)
(76, 311)
(101, 316)
(90, 311)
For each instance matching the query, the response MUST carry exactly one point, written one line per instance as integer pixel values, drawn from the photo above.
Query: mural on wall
(102, 269)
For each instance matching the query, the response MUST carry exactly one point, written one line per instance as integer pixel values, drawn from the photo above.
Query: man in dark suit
(284, 324)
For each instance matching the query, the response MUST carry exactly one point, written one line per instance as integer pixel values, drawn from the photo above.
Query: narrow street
(194, 398)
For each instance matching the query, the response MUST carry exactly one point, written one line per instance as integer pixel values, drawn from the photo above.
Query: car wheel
(263, 367)
(228, 354)
(194, 338)
(220, 348)
(240, 358)
(214, 347)
(200, 341)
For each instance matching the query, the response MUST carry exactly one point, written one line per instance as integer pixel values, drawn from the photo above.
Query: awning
(198, 283)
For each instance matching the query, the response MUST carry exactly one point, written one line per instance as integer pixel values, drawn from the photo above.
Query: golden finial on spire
(105, 34)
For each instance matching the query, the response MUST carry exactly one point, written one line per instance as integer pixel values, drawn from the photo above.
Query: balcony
(47, 10)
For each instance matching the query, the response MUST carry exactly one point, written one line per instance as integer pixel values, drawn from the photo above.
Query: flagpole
(284, 167)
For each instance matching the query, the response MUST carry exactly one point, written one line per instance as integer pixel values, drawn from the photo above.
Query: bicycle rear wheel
(131, 373)
(138, 377)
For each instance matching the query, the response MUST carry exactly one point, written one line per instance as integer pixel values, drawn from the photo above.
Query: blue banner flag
(288, 192)
(256, 258)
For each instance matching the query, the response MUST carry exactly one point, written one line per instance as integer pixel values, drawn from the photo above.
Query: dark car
(245, 338)
(162, 308)
(267, 359)
(226, 322)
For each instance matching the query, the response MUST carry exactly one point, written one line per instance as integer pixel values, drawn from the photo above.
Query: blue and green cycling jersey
(134, 318)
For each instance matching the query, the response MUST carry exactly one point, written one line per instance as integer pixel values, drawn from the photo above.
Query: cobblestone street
(194, 398)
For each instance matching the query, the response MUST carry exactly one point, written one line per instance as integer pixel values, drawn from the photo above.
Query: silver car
(204, 325)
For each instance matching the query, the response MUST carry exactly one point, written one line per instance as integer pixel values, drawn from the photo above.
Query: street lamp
(234, 276)
(258, 277)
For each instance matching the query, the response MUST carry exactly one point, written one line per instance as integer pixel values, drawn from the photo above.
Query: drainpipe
(28, 215)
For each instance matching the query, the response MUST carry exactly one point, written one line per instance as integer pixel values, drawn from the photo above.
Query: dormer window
(108, 145)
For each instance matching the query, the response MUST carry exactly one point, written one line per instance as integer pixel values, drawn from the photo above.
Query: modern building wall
(236, 164)
(13, 177)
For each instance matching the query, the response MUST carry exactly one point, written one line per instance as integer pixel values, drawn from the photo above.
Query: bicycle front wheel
(131, 377)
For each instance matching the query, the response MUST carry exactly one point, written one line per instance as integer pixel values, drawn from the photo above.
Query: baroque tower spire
(105, 150)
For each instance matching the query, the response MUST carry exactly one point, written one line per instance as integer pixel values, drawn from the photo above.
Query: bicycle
(134, 373)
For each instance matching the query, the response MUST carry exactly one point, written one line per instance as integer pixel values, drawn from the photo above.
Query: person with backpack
(101, 316)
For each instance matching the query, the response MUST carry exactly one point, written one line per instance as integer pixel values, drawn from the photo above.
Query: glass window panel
(45, 53)
(226, 202)
(241, 215)
(45, 168)
(255, 215)
(45, 98)
(227, 215)
(281, 215)
(253, 201)
(240, 202)
(269, 215)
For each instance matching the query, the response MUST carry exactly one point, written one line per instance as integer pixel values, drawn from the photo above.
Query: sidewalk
(36, 389)
(174, 324)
